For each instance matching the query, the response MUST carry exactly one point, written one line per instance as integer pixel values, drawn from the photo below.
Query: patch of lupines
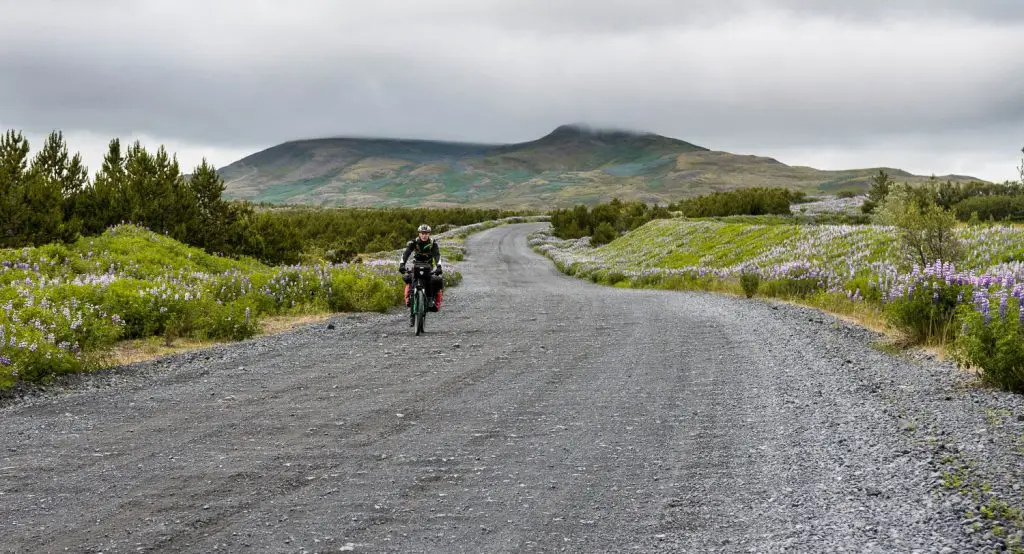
(833, 256)
(47, 327)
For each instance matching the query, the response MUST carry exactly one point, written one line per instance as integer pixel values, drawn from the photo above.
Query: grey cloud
(259, 73)
(616, 16)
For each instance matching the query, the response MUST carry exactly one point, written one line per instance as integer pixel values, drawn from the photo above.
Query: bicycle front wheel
(421, 310)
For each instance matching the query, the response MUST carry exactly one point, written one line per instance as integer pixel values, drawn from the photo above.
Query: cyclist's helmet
(423, 228)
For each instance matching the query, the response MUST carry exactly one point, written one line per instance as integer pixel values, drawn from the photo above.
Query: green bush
(235, 321)
(603, 234)
(928, 313)
(750, 279)
(996, 207)
(352, 291)
(749, 201)
(580, 221)
(862, 287)
(994, 343)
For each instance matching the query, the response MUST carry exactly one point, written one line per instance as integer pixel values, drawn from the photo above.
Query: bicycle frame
(418, 295)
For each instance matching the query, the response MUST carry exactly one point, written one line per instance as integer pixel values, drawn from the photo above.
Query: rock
(330, 326)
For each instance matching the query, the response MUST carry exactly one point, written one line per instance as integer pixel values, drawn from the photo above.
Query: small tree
(926, 231)
(14, 151)
(58, 181)
(213, 213)
(880, 185)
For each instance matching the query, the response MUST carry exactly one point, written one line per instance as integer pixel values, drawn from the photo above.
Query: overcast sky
(930, 86)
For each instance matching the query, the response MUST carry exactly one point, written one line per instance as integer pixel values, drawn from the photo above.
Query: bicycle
(418, 296)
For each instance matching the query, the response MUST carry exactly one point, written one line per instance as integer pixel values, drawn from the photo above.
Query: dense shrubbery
(750, 201)
(998, 207)
(966, 200)
(340, 234)
(606, 220)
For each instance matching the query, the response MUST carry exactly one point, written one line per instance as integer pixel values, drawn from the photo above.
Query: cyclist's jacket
(422, 252)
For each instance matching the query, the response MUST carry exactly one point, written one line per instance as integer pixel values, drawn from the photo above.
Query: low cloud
(937, 83)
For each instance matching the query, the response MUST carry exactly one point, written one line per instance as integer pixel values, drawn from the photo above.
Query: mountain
(574, 164)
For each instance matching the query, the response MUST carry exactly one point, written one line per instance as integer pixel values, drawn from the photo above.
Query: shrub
(1000, 207)
(351, 291)
(927, 312)
(603, 234)
(750, 201)
(233, 321)
(993, 343)
(792, 287)
(750, 279)
(580, 221)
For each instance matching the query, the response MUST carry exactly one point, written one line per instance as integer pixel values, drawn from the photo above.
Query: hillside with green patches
(571, 165)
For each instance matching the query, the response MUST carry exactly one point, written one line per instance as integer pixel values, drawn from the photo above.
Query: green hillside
(571, 165)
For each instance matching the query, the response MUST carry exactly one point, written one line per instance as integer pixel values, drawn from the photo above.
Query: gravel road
(538, 413)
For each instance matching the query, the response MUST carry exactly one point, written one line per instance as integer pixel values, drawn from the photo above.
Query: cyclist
(424, 250)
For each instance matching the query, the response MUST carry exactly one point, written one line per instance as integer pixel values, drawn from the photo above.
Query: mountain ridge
(573, 164)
